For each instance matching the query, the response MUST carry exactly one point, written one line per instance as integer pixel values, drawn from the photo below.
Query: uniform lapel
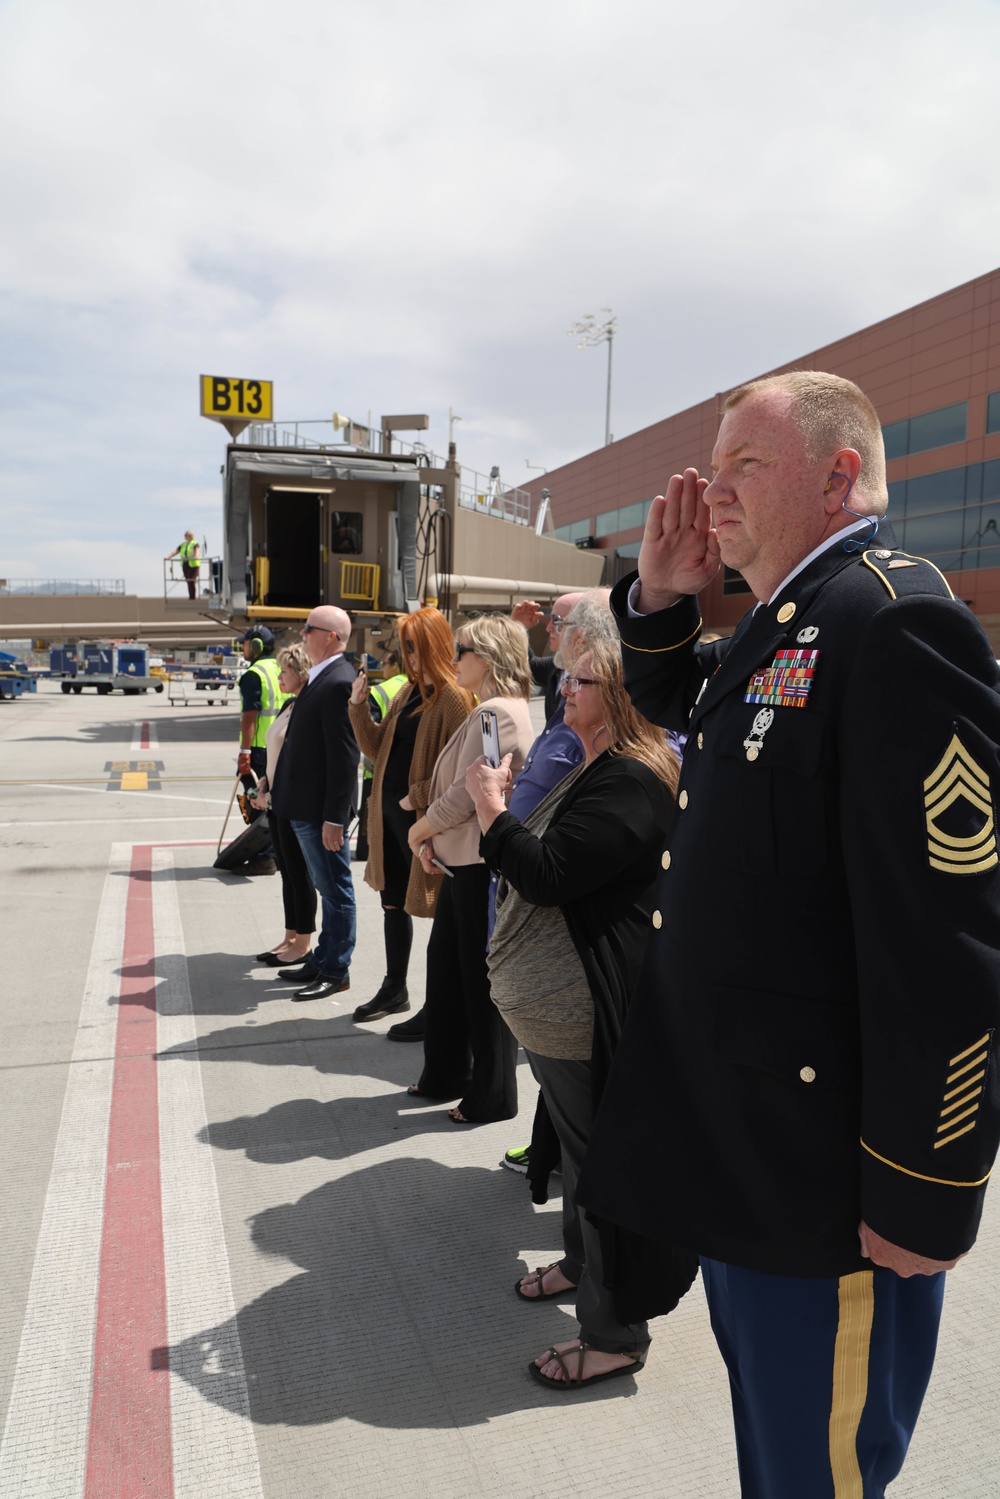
(761, 633)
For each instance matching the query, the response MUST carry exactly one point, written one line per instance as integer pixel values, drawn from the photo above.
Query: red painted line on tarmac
(144, 736)
(129, 1451)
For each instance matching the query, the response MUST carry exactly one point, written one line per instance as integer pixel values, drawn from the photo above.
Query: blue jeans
(331, 874)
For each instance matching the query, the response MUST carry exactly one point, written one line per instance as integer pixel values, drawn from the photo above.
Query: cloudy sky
(391, 207)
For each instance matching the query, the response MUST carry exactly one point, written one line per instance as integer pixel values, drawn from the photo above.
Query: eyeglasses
(556, 622)
(307, 629)
(464, 650)
(573, 684)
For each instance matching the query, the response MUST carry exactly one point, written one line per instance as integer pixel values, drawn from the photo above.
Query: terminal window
(932, 429)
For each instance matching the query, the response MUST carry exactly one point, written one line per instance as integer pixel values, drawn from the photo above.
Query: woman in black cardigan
(573, 914)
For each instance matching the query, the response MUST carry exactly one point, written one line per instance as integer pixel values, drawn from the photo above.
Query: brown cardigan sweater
(449, 709)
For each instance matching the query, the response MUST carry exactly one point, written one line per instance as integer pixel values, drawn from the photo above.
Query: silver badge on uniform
(805, 636)
(755, 739)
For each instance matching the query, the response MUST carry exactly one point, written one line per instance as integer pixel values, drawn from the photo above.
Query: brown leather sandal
(535, 1278)
(576, 1382)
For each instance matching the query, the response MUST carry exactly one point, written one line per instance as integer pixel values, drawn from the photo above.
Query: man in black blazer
(805, 1092)
(545, 670)
(315, 788)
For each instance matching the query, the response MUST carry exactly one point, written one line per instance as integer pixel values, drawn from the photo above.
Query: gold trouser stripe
(856, 1298)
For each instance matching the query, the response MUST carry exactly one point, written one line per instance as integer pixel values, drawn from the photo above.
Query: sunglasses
(307, 630)
(556, 622)
(464, 650)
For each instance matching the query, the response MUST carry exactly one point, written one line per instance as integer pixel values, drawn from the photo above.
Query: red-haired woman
(403, 748)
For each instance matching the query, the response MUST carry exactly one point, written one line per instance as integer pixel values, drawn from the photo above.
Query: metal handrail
(174, 580)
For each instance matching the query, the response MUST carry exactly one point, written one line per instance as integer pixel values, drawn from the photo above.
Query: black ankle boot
(388, 1001)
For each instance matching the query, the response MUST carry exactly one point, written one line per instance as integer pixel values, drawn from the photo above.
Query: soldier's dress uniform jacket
(813, 1038)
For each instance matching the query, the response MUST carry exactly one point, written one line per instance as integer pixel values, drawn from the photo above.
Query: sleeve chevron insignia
(958, 805)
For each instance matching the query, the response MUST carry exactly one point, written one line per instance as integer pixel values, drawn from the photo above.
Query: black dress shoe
(321, 989)
(307, 974)
(408, 1030)
(274, 961)
(386, 1002)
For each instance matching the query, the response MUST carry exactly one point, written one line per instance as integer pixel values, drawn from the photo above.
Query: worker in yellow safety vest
(189, 552)
(380, 696)
(260, 700)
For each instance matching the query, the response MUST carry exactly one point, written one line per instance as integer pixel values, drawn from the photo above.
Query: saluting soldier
(806, 1091)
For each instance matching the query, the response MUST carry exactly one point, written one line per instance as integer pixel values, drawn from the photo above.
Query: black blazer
(548, 675)
(814, 1035)
(316, 779)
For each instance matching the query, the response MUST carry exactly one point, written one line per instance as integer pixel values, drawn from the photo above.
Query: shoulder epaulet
(903, 575)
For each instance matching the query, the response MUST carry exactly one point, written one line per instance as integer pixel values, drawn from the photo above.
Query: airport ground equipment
(201, 684)
(104, 666)
(15, 676)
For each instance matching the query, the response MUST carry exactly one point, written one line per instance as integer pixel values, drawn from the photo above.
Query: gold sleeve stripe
(856, 1312)
(969, 1050)
(950, 1123)
(988, 863)
(938, 1181)
(967, 1084)
(948, 1138)
(965, 1098)
(976, 1062)
(659, 649)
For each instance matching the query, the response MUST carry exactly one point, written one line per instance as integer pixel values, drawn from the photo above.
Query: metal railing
(207, 585)
(62, 585)
(359, 581)
(483, 492)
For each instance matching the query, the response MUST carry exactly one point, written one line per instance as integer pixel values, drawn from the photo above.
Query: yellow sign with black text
(227, 400)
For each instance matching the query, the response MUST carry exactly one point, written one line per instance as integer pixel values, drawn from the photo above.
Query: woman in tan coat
(403, 748)
(469, 1053)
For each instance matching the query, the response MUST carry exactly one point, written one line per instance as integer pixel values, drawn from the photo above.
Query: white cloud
(387, 208)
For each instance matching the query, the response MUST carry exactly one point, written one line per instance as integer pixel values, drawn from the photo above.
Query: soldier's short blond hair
(832, 413)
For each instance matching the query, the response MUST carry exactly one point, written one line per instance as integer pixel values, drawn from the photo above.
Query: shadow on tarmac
(405, 1316)
(184, 728)
(220, 985)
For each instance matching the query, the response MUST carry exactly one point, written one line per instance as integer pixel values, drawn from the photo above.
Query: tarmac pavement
(238, 1258)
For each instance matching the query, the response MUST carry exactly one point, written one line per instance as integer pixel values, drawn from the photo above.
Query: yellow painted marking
(969, 1050)
(939, 1181)
(135, 780)
(947, 1141)
(967, 1068)
(856, 1300)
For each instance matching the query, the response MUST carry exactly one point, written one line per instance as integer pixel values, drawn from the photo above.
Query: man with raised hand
(546, 670)
(805, 1092)
(315, 787)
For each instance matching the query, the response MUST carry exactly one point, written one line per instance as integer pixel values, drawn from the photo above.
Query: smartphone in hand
(491, 737)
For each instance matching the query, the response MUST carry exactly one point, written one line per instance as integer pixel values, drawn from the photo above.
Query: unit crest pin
(809, 633)
(755, 739)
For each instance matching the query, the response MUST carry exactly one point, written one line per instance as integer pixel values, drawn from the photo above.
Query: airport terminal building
(933, 373)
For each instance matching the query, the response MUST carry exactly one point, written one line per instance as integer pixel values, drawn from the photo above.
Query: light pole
(590, 332)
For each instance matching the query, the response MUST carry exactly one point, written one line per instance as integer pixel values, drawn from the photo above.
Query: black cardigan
(597, 861)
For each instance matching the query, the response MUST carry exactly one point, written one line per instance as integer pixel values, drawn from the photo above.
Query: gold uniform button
(701, 741)
(785, 613)
(807, 1074)
(665, 859)
(682, 800)
(657, 920)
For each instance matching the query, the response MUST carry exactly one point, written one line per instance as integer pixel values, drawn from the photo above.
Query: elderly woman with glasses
(573, 913)
(468, 1052)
